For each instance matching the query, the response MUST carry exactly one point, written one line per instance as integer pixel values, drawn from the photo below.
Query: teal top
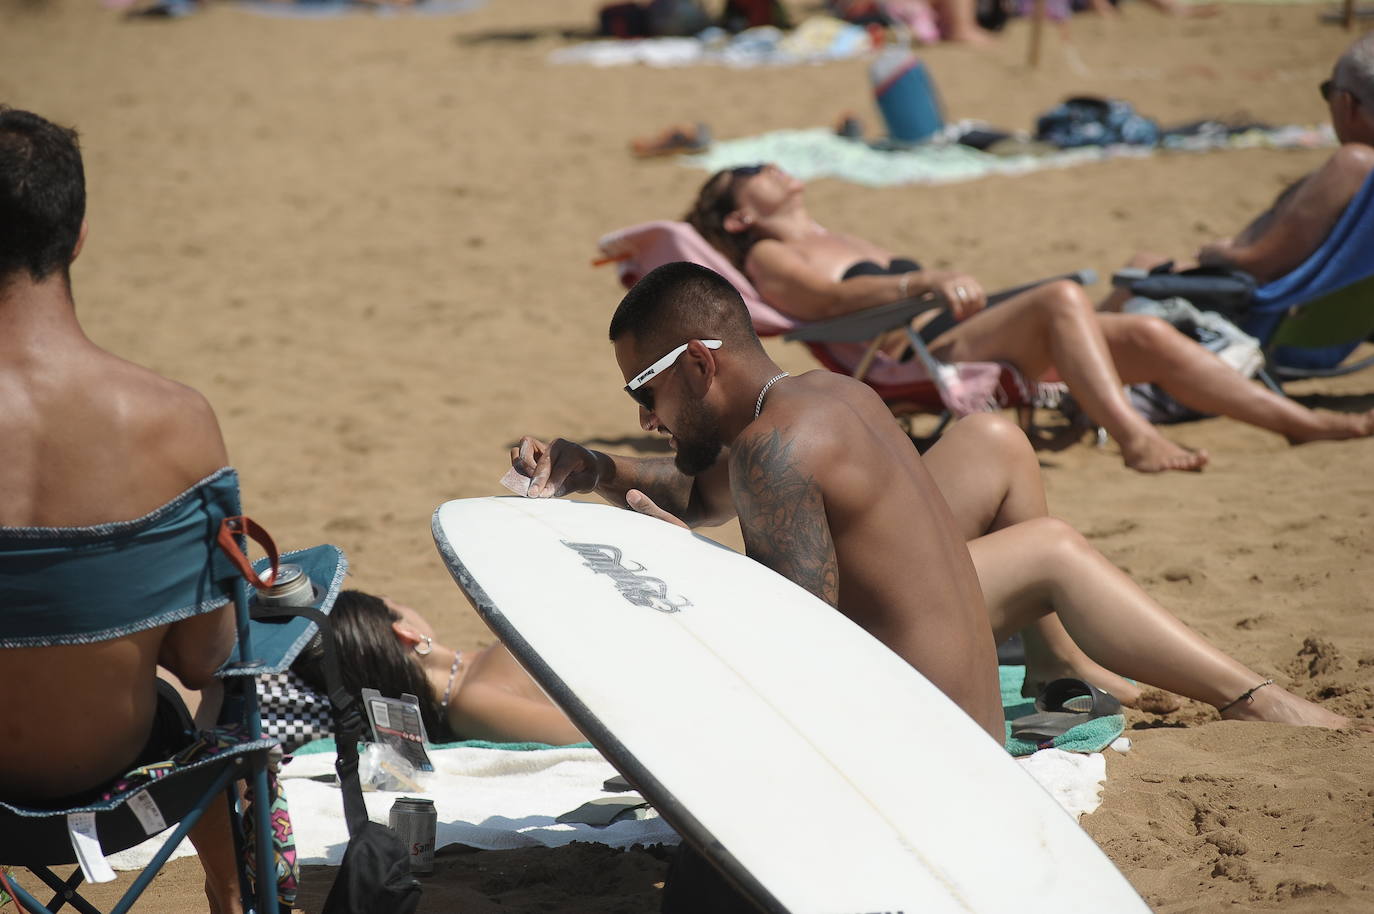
(80, 585)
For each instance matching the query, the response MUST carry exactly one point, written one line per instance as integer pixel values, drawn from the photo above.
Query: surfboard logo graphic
(637, 588)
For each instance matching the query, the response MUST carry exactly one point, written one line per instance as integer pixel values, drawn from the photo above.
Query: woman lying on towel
(756, 216)
(480, 694)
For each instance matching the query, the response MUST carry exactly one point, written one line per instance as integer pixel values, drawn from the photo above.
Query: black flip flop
(1062, 705)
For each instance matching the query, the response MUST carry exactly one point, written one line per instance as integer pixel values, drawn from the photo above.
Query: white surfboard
(814, 767)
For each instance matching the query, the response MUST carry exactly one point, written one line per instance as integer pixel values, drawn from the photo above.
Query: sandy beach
(367, 240)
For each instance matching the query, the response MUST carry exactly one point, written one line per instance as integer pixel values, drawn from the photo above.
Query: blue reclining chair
(80, 585)
(1312, 318)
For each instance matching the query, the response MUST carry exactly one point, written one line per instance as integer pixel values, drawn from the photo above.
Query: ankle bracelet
(1244, 696)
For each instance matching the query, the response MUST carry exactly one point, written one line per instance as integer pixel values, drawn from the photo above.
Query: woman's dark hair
(714, 202)
(371, 657)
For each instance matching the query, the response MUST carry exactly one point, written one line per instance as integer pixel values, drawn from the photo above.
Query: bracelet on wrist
(902, 284)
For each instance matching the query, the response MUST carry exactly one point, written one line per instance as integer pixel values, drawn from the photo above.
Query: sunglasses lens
(644, 397)
(1325, 89)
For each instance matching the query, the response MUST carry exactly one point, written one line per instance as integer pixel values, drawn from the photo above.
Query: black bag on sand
(375, 875)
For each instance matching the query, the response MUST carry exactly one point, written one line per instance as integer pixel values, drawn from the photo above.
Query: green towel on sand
(1091, 736)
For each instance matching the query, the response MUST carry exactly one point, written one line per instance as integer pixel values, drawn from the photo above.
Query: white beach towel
(497, 799)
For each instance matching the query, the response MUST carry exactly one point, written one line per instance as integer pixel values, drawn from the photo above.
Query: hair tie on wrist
(901, 284)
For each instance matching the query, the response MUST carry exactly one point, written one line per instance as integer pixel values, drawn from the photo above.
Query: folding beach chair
(1307, 321)
(1311, 319)
(80, 585)
(848, 345)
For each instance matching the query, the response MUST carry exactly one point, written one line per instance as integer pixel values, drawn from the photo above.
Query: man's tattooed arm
(782, 513)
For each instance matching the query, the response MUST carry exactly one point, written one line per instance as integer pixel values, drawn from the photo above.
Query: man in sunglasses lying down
(938, 557)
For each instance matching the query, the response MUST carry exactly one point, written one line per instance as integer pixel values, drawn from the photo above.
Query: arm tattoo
(782, 515)
(656, 477)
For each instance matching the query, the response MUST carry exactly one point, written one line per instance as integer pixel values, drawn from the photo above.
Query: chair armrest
(862, 326)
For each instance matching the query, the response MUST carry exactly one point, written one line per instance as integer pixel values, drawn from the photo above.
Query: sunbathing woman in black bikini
(757, 218)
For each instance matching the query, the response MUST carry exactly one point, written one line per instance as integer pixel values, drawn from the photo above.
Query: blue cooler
(906, 96)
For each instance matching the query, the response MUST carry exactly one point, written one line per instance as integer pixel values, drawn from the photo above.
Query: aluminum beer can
(414, 821)
(291, 588)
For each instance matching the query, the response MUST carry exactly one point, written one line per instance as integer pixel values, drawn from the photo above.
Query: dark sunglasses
(1326, 88)
(737, 175)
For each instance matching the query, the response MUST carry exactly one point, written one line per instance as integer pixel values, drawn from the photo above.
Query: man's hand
(961, 292)
(643, 504)
(557, 468)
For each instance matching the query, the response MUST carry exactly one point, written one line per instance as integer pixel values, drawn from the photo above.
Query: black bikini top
(869, 268)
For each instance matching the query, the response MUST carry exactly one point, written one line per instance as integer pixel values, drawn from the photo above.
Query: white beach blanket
(497, 799)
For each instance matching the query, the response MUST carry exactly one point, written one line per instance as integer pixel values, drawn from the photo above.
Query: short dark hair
(371, 657)
(681, 301)
(42, 195)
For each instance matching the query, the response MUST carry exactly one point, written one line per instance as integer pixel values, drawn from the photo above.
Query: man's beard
(698, 439)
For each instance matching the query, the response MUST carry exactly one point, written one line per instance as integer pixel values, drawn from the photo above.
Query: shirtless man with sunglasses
(938, 557)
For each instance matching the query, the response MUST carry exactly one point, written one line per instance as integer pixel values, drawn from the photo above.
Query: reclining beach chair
(848, 344)
(79, 585)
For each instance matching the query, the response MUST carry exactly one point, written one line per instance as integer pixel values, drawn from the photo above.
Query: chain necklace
(758, 404)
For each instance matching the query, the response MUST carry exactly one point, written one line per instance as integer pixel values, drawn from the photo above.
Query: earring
(428, 643)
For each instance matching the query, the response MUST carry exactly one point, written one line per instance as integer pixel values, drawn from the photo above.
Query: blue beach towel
(1343, 259)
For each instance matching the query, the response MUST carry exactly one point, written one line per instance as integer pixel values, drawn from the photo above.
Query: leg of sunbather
(1147, 349)
(1046, 563)
(1055, 324)
(986, 469)
(214, 845)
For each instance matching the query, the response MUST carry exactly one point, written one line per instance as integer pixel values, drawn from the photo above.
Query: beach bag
(624, 20)
(375, 874)
(1088, 121)
(1210, 330)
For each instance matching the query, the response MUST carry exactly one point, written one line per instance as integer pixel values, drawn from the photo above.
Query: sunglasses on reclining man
(643, 395)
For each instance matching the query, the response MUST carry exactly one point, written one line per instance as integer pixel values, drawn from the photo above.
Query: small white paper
(145, 810)
(380, 714)
(516, 482)
(86, 844)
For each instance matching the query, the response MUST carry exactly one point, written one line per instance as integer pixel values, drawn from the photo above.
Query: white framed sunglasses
(645, 397)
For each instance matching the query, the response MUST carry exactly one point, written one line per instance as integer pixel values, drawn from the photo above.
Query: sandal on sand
(683, 138)
(1064, 704)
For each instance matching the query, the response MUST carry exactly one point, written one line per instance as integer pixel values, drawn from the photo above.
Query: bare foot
(1156, 454)
(1335, 427)
(1277, 705)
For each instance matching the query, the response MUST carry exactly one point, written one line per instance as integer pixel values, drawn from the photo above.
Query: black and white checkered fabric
(292, 712)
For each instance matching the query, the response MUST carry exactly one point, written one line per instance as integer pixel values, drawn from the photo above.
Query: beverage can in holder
(291, 588)
(906, 96)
